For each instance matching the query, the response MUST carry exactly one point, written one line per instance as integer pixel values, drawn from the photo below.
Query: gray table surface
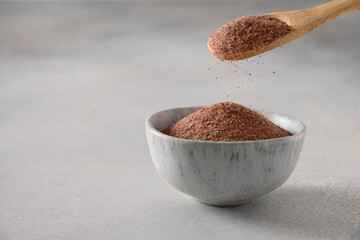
(77, 81)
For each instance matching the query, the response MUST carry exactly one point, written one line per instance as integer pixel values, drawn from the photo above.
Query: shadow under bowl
(223, 173)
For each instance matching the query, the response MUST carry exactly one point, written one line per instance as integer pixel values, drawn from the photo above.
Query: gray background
(77, 81)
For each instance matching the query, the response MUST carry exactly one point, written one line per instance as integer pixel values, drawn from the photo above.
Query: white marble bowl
(223, 173)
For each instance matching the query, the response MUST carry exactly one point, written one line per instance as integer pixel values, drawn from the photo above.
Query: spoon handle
(329, 11)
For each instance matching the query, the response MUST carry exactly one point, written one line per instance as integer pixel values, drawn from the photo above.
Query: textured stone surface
(77, 81)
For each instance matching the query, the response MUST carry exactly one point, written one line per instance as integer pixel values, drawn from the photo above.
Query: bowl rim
(157, 132)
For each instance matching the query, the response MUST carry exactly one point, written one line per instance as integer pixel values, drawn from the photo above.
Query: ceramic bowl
(223, 173)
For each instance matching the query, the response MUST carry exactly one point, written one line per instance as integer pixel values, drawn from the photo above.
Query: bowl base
(225, 205)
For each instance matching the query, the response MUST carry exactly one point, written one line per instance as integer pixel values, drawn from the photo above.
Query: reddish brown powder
(246, 34)
(225, 121)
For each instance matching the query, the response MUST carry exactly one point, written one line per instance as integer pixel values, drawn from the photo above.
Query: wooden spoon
(303, 21)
